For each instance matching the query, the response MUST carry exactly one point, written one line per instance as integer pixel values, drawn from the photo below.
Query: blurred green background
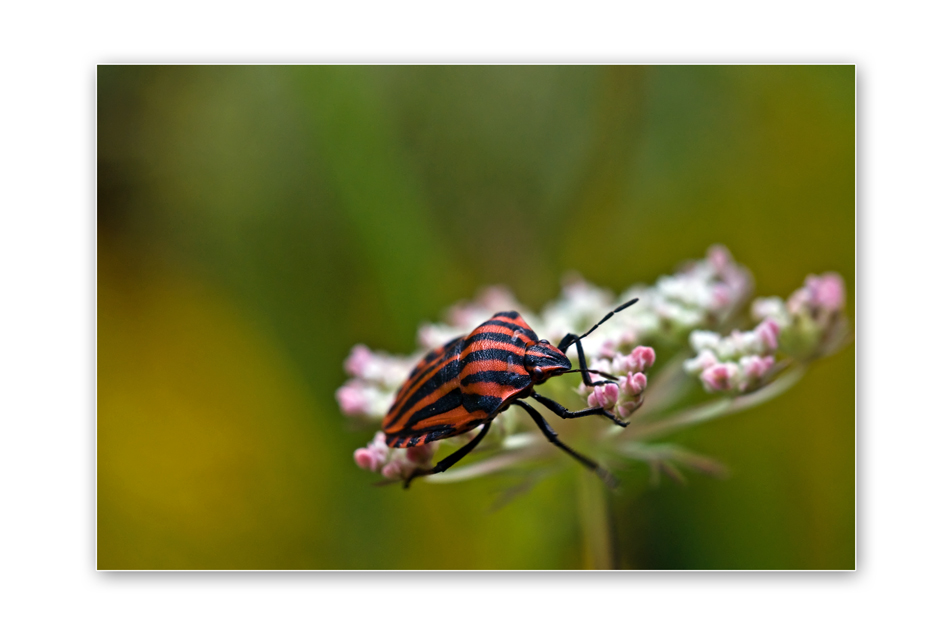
(254, 223)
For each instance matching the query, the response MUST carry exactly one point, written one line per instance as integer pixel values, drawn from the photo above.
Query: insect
(468, 381)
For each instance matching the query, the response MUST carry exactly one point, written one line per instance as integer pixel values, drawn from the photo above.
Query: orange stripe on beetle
(468, 381)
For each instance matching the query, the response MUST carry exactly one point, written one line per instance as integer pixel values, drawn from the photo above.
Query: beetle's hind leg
(451, 460)
(563, 412)
(549, 433)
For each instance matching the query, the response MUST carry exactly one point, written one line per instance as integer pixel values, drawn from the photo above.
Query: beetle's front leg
(552, 437)
(571, 339)
(563, 412)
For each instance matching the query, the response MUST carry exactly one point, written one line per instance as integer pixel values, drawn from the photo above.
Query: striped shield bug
(468, 381)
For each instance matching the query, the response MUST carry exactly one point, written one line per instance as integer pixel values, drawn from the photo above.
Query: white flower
(689, 309)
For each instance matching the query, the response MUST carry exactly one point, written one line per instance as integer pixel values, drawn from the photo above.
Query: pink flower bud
(632, 385)
(374, 455)
(604, 396)
(643, 358)
(799, 302)
(719, 257)
(768, 331)
(421, 454)
(607, 349)
(359, 359)
(352, 400)
(721, 296)
(622, 364)
(462, 315)
(495, 298)
(640, 359)
(628, 338)
(703, 360)
(626, 409)
(394, 469)
(366, 459)
(755, 366)
(720, 377)
(429, 336)
(378, 445)
(827, 291)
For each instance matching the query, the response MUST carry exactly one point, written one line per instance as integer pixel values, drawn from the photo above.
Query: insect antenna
(571, 339)
(592, 371)
(609, 314)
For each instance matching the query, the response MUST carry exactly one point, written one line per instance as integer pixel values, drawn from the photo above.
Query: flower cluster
(809, 324)
(704, 293)
(465, 316)
(812, 320)
(699, 308)
(626, 396)
(393, 463)
(738, 362)
(376, 378)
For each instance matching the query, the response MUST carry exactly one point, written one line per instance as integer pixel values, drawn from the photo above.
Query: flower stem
(595, 520)
(721, 407)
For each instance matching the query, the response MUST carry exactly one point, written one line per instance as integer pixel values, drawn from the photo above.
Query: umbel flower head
(695, 317)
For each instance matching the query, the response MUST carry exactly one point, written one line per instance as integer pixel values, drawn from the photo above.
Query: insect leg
(561, 411)
(571, 339)
(552, 437)
(452, 459)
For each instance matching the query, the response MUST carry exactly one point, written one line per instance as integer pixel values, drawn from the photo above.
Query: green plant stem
(595, 521)
(718, 408)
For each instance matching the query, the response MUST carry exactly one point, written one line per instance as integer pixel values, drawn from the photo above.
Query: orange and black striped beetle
(468, 381)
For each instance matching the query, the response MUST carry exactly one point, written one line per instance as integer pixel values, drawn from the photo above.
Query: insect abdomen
(456, 388)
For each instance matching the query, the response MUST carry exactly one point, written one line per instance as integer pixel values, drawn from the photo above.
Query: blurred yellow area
(212, 454)
(254, 223)
(201, 425)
